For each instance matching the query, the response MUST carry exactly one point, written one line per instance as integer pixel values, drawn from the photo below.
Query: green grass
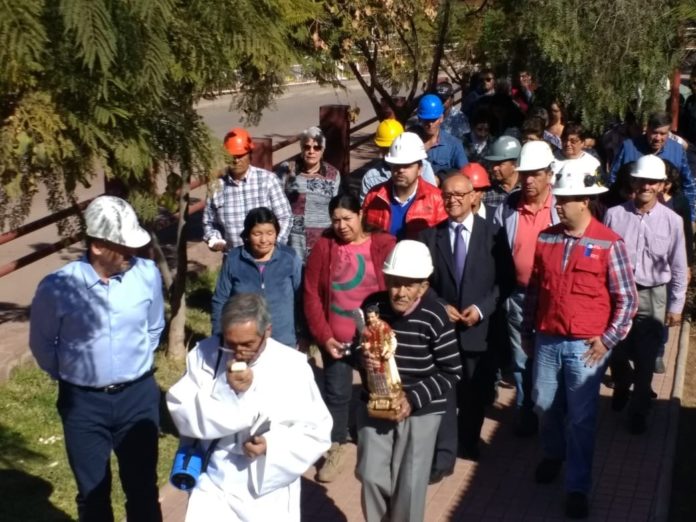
(35, 479)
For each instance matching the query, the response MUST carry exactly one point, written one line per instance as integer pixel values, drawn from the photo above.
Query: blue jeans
(338, 391)
(521, 369)
(566, 395)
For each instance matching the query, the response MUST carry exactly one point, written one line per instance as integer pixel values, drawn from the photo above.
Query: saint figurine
(383, 382)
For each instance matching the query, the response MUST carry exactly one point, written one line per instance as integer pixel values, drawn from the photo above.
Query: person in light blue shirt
(95, 324)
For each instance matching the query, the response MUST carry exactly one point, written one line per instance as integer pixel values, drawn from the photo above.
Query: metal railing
(74, 210)
(46, 221)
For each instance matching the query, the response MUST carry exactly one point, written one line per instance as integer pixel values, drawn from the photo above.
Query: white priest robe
(203, 406)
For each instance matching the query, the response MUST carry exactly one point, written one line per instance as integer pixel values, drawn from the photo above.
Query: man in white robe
(250, 476)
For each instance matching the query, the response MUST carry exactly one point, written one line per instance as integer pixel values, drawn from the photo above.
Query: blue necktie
(459, 254)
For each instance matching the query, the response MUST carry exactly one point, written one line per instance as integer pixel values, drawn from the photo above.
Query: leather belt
(116, 387)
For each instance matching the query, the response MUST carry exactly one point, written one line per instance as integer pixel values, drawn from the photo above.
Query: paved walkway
(629, 472)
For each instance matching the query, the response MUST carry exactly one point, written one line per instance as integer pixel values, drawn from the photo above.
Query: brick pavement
(627, 472)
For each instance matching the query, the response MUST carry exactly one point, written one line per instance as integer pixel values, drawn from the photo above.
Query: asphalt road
(296, 110)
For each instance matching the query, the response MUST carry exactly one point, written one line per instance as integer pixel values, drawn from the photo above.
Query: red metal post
(674, 99)
(334, 122)
(262, 155)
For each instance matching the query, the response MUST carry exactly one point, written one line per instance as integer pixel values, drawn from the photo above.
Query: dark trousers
(471, 396)
(641, 346)
(338, 391)
(96, 423)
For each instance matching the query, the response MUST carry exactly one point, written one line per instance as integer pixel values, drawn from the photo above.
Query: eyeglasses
(455, 195)
(308, 147)
(488, 79)
(572, 141)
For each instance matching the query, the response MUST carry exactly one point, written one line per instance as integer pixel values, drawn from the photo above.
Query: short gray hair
(313, 133)
(242, 308)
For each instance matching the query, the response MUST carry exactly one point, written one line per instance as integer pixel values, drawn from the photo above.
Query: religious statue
(383, 382)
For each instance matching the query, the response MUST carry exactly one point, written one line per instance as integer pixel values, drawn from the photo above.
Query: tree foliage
(111, 86)
(597, 56)
(390, 41)
(96, 85)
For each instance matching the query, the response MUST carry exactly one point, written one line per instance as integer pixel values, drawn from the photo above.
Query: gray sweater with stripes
(427, 353)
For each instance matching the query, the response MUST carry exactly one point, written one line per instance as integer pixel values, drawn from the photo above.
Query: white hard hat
(406, 148)
(535, 155)
(409, 259)
(649, 167)
(113, 219)
(575, 179)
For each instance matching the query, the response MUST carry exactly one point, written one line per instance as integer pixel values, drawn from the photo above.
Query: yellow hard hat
(386, 132)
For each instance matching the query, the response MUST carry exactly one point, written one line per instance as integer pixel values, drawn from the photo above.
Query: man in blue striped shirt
(95, 325)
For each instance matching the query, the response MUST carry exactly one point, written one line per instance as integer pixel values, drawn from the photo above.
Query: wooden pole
(262, 155)
(334, 122)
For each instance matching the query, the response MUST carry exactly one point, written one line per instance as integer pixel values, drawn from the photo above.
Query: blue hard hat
(430, 107)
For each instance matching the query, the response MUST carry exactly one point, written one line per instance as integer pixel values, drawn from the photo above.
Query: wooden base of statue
(384, 406)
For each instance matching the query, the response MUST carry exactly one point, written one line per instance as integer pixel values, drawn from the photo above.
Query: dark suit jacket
(479, 283)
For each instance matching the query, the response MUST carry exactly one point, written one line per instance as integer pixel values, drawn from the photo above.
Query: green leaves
(597, 56)
(22, 40)
(91, 23)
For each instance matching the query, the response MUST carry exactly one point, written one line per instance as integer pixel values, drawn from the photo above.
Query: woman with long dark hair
(344, 267)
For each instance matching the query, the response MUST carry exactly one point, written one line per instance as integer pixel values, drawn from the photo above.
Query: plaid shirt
(496, 195)
(229, 204)
(621, 286)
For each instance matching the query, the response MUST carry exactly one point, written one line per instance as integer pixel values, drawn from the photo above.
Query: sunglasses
(488, 79)
(309, 147)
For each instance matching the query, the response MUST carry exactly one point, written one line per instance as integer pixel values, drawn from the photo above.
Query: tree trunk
(176, 348)
(161, 260)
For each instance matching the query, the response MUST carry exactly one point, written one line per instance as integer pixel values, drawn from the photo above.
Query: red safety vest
(427, 209)
(574, 302)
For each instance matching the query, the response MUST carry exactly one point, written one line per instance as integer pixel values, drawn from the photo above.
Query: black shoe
(576, 505)
(470, 452)
(527, 424)
(638, 424)
(547, 470)
(619, 399)
(437, 475)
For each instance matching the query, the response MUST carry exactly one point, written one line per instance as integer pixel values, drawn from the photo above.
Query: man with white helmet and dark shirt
(394, 457)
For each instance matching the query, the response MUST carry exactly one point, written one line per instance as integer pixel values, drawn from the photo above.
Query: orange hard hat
(238, 142)
(477, 174)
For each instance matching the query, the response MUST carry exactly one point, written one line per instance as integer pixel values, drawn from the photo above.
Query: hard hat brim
(500, 158)
(395, 273)
(585, 191)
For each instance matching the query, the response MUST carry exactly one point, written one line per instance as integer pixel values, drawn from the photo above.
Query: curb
(664, 485)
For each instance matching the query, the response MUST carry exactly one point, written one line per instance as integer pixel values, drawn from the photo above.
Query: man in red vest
(580, 302)
(405, 204)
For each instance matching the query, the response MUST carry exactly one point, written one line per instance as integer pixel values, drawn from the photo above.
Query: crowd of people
(495, 240)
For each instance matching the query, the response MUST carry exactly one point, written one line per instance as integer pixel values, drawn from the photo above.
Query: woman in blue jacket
(264, 267)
